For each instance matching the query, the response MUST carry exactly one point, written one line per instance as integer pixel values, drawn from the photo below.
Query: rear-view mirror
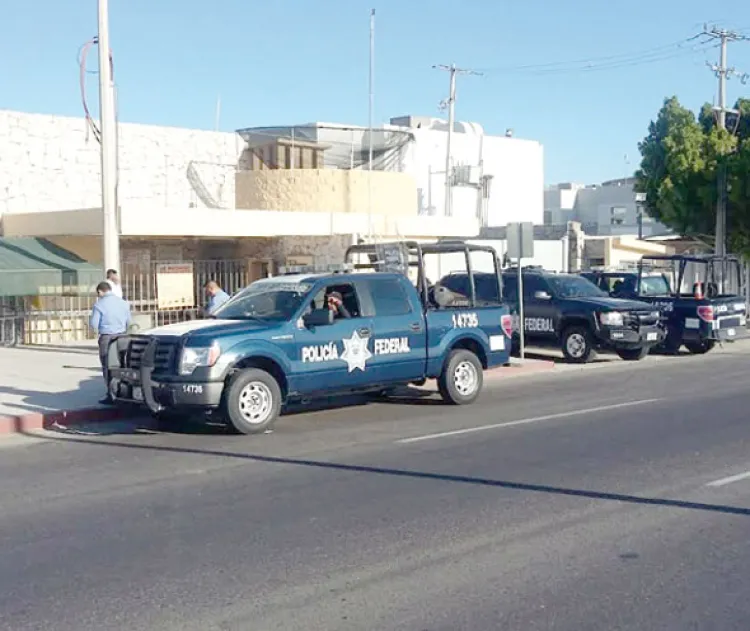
(542, 295)
(318, 317)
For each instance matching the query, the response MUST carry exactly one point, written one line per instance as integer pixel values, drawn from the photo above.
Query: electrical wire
(82, 58)
(664, 52)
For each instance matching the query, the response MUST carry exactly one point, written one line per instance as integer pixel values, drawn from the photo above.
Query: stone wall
(52, 163)
(327, 190)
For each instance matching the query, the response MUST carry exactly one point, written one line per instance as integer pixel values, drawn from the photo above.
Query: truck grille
(164, 360)
(635, 319)
(730, 322)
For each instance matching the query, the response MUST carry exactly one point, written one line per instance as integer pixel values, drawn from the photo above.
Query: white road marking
(525, 421)
(730, 479)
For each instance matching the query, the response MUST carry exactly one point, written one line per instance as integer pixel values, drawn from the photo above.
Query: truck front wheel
(462, 378)
(253, 401)
(577, 344)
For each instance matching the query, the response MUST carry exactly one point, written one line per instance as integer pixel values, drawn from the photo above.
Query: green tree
(680, 163)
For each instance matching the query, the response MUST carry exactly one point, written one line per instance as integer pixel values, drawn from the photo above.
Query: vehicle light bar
(332, 268)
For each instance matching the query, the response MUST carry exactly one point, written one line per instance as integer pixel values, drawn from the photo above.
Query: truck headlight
(193, 357)
(611, 318)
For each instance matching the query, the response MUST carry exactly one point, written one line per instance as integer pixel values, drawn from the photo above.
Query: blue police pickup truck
(302, 336)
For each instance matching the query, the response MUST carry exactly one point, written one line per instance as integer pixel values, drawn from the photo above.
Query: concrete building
(495, 179)
(235, 206)
(604, 209)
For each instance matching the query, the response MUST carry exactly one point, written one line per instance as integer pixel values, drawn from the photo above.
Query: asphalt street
(582, 500)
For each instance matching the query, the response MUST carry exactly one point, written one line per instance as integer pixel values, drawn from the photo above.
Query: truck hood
(612, 304)
(209, 327)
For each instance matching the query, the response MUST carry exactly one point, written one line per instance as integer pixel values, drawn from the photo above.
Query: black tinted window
(389, 297)
(510, 287)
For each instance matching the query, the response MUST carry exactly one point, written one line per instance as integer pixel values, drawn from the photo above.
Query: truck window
(655, 286)
(348, 294)
(533, 284)
(510, 287)
(388, 297)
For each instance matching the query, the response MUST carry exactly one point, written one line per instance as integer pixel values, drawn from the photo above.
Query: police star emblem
(356, 352)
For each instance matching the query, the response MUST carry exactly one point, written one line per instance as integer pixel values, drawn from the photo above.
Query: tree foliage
(680, 160)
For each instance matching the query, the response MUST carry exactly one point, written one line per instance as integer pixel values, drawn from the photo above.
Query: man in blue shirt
(216, 297)
(109, 317)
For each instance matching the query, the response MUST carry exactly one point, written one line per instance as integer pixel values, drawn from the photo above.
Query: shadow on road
(426, 475)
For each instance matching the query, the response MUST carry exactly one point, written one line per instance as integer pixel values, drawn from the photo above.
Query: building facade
(610, 208)
(494, 179)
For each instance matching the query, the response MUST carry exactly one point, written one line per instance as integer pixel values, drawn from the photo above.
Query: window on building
(617, 215)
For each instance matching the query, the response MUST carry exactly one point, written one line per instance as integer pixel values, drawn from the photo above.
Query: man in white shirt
(114, 282)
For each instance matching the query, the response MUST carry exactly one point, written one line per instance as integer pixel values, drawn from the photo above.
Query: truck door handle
(364, 331)
(416, 327)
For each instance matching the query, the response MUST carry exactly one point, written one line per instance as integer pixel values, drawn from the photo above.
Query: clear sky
(295, 61)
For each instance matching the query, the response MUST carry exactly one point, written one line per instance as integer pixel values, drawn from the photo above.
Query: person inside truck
(335, 302)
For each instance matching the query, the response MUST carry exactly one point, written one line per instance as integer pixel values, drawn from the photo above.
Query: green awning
(31, 266)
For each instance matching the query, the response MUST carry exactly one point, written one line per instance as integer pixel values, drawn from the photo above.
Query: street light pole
(110, 228)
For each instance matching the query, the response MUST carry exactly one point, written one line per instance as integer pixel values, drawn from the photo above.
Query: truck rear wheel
(577, 345)
(462, 378)
(700, 348)
(632, 354)
(253, 401)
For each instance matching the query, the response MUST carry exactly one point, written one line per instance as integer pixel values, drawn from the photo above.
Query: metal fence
(140, 286)
(64, 318)
(11, 325)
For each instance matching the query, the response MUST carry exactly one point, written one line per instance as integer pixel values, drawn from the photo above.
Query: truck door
(399, 337)
(540, 313)
(335, 357)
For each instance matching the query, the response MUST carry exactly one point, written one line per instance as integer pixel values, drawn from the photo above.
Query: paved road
(598, 500)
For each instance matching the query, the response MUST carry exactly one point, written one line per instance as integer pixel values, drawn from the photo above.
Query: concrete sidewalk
(41, 386)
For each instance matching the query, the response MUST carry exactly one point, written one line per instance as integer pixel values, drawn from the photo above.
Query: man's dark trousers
(104, 341)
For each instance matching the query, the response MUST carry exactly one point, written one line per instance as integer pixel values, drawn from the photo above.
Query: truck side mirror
(318, 317)
(542, 295)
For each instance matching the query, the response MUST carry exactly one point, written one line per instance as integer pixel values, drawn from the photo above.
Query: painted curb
(32, 421)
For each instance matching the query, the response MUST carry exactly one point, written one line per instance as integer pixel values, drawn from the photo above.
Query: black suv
(570, 311)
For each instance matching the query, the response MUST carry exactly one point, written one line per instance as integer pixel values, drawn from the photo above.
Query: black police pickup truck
(699, 297)
(570, 311)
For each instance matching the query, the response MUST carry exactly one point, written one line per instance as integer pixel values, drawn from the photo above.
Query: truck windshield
(574, 287)
(265, 300)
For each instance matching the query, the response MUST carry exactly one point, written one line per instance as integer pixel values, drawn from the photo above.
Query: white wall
(50, 163)
(517, 188)
(551, 255)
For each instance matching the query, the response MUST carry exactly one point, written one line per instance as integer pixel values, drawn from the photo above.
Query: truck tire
(461, 380)
(253, 401)
(632, 354)
(700, 348)
(577, 344)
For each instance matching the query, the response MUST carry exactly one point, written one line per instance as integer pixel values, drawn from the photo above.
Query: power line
(680, 48)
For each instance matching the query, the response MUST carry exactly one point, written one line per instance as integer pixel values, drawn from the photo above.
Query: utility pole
(110, 228)
(370, 124)
(723, 72)
(451, 105)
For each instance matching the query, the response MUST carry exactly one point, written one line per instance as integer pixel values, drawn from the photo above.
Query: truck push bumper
(730, 333)
(632, 338)
(138, 386)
